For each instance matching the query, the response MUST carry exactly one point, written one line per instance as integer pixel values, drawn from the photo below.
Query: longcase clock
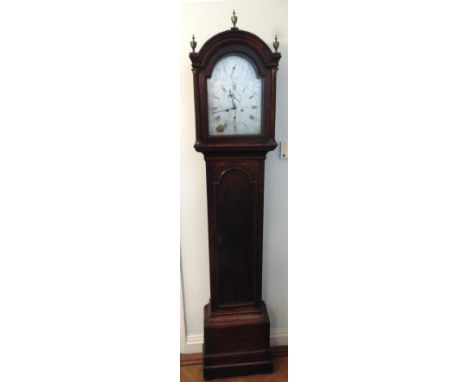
(234, 76)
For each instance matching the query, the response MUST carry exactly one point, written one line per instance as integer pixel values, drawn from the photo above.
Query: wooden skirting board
(197, 358)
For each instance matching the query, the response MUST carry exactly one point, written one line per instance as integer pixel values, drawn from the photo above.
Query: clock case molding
(236, 321)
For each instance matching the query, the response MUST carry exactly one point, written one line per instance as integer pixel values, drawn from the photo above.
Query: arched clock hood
(235, 41)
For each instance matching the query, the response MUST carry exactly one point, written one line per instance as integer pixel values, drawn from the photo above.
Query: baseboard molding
(197, 358)
(194, 344)
(279, 337)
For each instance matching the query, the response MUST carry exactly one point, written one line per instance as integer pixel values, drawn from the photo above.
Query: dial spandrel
(234, 98)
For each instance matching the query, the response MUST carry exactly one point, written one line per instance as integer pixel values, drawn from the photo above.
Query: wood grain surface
(194, 373)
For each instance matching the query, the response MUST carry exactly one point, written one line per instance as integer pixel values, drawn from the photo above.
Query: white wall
(264, 18)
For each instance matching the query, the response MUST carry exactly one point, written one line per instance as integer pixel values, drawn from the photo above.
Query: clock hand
(232, 100)
(234, 120)
(222, 111)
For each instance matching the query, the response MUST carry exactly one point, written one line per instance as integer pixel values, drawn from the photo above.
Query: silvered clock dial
(234, 98)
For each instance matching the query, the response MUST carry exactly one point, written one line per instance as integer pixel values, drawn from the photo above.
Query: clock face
(234, 98)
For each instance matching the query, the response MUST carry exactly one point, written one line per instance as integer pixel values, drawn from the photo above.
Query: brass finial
(234, 19)
(193, 43)
(276, 44)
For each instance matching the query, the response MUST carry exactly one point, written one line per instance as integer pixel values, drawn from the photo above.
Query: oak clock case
(234, 77)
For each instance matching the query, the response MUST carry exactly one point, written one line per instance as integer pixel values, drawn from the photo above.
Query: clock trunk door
(237, 188)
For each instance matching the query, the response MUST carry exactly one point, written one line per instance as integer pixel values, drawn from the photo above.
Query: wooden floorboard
(191, 359)
(194, 373)
(197, 358)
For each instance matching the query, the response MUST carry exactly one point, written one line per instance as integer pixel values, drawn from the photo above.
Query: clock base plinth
(237, 343)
